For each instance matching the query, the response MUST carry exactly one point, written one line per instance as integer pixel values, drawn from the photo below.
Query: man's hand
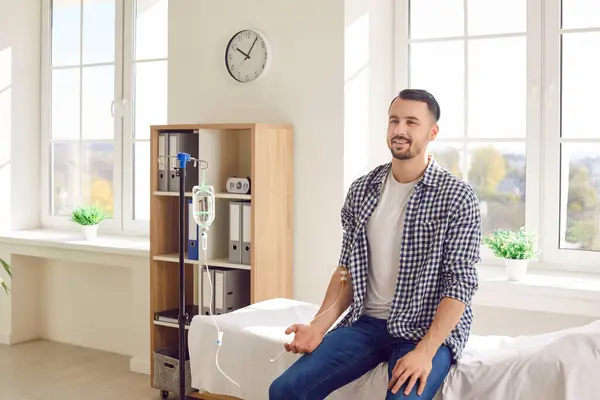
(414, 365)
(306, 338)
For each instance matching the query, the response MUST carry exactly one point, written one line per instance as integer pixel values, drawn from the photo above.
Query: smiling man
(411, 240)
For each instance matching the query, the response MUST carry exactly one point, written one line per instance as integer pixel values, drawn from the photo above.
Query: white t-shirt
(384, 234)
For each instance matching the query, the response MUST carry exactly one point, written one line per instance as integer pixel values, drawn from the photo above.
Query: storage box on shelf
(262, 152)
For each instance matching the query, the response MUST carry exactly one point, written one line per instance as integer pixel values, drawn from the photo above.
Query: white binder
(219, 292)
(235, 233)
(163, 162)
(173, 146)
(246, 232)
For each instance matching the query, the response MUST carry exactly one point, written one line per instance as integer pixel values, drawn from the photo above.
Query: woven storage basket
(166, 370)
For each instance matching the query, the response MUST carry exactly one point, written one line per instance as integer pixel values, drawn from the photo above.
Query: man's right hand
(306, 338)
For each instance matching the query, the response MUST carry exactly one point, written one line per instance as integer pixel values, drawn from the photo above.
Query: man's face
(410, 128)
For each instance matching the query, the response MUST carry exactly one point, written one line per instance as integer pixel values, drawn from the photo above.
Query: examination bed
(559, 365)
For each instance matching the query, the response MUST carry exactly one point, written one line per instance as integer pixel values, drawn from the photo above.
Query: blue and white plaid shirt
(440, 247)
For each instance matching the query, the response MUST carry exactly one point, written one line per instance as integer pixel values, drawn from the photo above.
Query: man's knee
(282, 388)
(432, 386)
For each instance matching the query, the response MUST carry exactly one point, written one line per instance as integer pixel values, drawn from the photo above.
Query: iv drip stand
(183, 159)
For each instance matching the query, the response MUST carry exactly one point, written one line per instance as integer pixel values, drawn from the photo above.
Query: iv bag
(203, 209)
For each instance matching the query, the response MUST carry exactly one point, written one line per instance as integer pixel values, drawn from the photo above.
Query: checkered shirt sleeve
(462, 244)
(348, 225)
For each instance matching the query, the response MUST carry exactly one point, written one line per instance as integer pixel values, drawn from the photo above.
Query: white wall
(369, 84)
(19, 130)
(86, 304)
(304, 87)
(19, 120)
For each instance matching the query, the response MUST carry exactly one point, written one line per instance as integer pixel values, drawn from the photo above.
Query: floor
(46, 370)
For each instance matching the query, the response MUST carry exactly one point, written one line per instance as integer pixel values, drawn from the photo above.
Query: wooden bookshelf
(265, 153)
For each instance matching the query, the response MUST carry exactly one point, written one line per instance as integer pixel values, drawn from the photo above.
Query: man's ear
(434, 132)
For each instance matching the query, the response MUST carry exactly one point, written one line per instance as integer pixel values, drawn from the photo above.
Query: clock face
(246, 56)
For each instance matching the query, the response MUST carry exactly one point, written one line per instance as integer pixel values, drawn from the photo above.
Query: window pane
(449, 156)
(98, 93)
(65, 178)
(65, 104)
(497, 173)
(580, 14)
(497, 88)
(446, 84)
(141, 193)
(151, 33)
(66, 25)
(150, 96)
(580, 196)
(98, 31)
(496, 16)
(435, 18)
(580, 84)
(98, 164)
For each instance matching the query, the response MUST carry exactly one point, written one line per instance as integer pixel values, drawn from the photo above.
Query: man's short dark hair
(421, 95)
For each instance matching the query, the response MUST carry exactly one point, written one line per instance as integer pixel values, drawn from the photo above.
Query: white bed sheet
(560, 365)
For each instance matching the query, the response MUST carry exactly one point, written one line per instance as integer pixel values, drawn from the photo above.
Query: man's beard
(408, 154)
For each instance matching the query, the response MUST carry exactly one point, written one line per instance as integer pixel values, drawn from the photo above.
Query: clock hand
(242, 52)
(251, 47)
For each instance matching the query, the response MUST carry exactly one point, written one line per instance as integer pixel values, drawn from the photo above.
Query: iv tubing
(219, 332)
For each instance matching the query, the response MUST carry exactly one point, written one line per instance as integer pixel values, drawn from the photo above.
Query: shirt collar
(429, 178)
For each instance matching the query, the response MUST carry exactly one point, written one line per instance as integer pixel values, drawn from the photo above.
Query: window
(104, 84)
(572, 138)
(526, 144)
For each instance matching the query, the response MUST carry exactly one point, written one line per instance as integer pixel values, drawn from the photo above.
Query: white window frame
(543, 130)
(131, 225)
(123, 221)
(552, 254)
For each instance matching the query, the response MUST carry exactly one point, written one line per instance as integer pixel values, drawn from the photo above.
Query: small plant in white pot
(516, 248)
(88, 218)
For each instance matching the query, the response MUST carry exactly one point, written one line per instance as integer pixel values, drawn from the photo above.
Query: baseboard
(140, 366)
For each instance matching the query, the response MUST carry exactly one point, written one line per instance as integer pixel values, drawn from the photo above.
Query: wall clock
(247, 55)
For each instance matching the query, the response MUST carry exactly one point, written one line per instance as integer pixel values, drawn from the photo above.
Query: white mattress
(560, 365)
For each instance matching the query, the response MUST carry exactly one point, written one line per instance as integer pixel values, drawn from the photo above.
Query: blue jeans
(347, 353)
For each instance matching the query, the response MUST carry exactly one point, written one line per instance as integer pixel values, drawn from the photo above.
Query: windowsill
(541, 290)
(73, 240)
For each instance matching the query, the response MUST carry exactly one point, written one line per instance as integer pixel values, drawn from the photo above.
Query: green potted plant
(517, 248)
(88, 218)
(6, 268)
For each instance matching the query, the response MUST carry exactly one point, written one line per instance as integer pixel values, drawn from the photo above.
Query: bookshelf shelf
(230, 196)
(168, 324)
(216, 262)
(263, 152)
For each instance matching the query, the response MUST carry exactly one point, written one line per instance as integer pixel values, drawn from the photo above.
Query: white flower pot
(516, 270)
(89, 231)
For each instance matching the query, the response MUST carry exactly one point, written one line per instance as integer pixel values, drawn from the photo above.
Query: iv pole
(183, 159)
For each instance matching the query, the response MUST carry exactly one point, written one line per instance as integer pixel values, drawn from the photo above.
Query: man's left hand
(414, 365)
